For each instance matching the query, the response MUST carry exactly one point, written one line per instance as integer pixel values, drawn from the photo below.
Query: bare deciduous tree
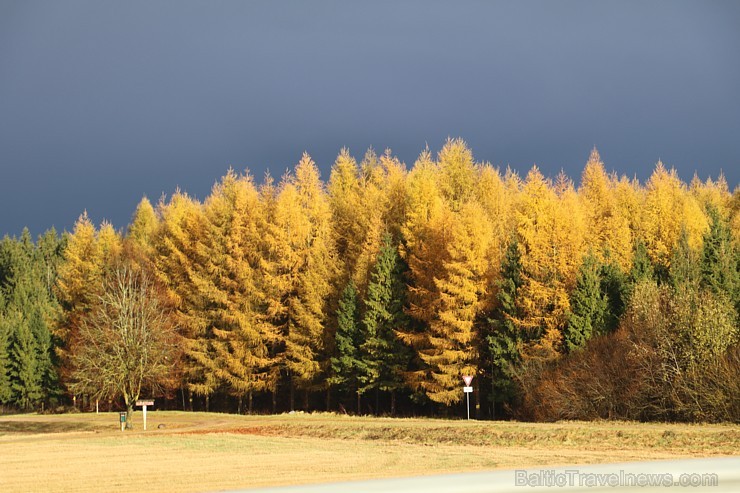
(127, 343)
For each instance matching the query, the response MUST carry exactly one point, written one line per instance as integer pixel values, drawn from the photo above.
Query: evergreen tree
(25, 374)
(6, 389)
(383, 356)
(642, 267)
(720, 262)
(589, 306)
(685, 271)
(29, 274)
(346, 365)
(614, 287)
(45, 357)
(503, 338)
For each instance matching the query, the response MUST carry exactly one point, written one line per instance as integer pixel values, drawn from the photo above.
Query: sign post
(122, 418)
(468, 389)
(144, 404)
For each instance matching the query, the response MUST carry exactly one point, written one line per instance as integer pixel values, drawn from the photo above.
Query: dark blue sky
(102, 102)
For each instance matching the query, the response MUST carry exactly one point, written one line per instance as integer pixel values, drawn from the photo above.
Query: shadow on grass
(13, 427)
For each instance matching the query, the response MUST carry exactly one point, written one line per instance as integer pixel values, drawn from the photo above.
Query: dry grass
(209, 452)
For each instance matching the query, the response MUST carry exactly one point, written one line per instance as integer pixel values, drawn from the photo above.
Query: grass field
(210, 452)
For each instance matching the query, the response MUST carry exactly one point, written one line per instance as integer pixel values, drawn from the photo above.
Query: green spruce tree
(720, 262)
(589, 307)
(503, 337)
(384, 357)
(642, 267)
(25, 374)
(6, 390)
(346, 365)
(685, 272)
(614, 287)
(27, 280)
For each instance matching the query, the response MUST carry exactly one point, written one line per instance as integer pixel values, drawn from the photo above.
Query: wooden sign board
(145, 403)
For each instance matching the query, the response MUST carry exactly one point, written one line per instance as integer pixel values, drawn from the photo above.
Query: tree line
(377, 290)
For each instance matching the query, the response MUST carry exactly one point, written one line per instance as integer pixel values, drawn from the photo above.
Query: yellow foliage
(669, 208)
(552, 246)
(180, 260)
(457, 173)
(712, 193)
(143, 225)
(498, 202)
(231, 288)
(608, 229)
(424, 232)
(80, 279)
(299, 270)
(452, 344)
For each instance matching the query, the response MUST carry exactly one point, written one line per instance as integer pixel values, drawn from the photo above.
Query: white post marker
(144, 404)
(468, 389)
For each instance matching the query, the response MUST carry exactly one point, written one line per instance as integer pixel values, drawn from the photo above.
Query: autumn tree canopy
(394, 282)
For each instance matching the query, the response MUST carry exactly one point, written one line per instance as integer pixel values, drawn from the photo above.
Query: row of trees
(29, 310)
(648, 346)
(394, 283)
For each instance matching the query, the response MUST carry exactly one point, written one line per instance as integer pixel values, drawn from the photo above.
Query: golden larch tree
(300, 270)
(234, 218)
(79, 282)
(543, 298)
(452, 337)
(668, 209)
(180, 258)
(608, 231)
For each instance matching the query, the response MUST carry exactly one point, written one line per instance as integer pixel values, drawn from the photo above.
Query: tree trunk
(359, 406)
(477, 400)
(493, 393)
(328, 399)
(377, 401)
(208, 403)
(249, 402)
(274, 401)
(393, 402)
(130, 415)
(292, 395)
(239, 404)
(305, 400)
